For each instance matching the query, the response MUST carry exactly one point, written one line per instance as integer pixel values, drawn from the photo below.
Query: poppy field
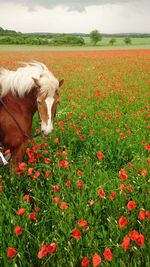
(81, 196)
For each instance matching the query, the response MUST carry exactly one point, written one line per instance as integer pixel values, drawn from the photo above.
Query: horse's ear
(61, 82)
(36, 82)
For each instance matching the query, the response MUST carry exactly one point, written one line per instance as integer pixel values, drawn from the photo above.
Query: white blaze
(49, 126)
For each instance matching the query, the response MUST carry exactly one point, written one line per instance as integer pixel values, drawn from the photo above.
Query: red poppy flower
(68, 183)
(47, 160)
(66, 164)
(140, 240)
(107, 254)
(56, 188)
(147, 213)
(142, 215)
(60, 163)
(52, 248)
(123, 174)
(82, 137)
(122, 136)
(45, 145)
(100, 155)
(122, 222)
(47, 174)
(32, 216)
(147, 147)
(126, 242)
(11, 252)
(85, 262)
(21, 166)
(36, 208)
(43, 252)
(31, 159)
(122, 187)
(82, 223)
(131, 205)
(29, 171)
(36, 147)
(112, 195)
(18, 230)
(37, 174)
(39, 156)
(21, 211)
(79, 173)
(101, 193)
(79, 184)
(129, 164)
(37, 131)
(56, 140)
(64, 154)
(78, 132)
(96, 260)
(7, 152)
(134, 235)
(60, 123)
(63, 163)
(64, 205)
(129, 188)
(144, 172)
(76, 233)
(56, 199)
(26, 198)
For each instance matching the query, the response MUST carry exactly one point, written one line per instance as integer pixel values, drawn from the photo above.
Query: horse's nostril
(46, 133)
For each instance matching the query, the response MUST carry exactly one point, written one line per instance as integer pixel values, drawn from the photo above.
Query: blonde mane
(21, 81)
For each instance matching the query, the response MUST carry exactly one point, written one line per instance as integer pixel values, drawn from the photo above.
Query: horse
(30, 88)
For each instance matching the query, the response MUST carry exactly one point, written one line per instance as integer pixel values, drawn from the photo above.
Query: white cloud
(113, 17)
(79, 5)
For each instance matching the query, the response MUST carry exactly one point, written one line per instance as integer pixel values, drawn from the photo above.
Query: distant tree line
(34, 40)
(12, 37)
(54, 39)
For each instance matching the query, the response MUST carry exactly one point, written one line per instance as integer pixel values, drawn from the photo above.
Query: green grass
(120, 41)
(104, 108)
(69, 48)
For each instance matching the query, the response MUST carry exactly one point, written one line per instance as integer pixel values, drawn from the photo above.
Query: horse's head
(47, 87)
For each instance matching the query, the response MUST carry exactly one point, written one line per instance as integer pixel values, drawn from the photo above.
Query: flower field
(81, 196)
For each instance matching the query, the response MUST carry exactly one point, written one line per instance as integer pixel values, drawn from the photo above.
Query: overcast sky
(68, 16)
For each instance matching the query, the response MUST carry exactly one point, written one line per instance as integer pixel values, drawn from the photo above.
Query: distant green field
(61, 48)
(120, 41)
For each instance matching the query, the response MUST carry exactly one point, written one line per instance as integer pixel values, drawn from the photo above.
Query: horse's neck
(26, 104)
(29, 102)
